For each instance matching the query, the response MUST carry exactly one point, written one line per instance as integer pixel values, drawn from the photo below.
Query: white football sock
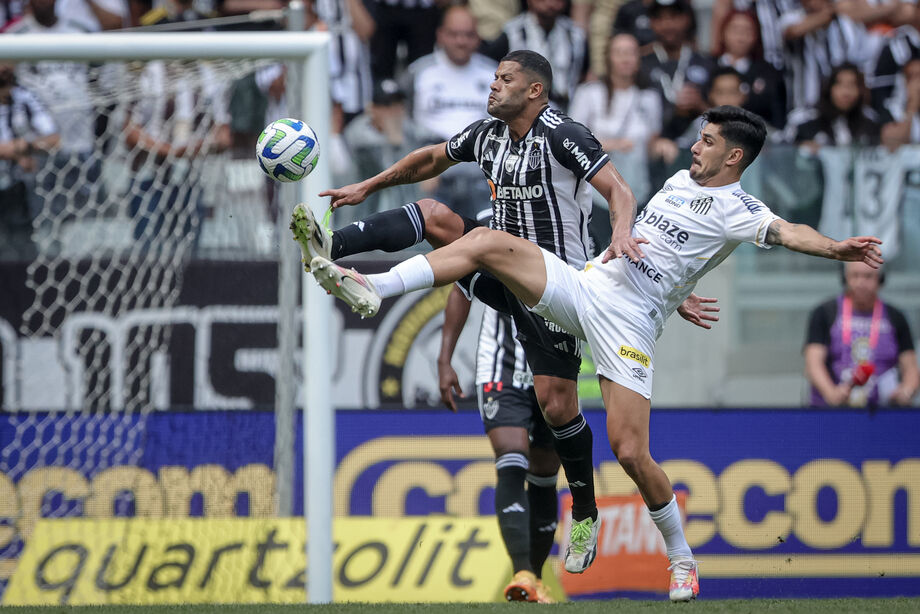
(668, 521)
(412, 274)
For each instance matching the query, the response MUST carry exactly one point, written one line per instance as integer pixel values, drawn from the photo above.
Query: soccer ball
(287, 150)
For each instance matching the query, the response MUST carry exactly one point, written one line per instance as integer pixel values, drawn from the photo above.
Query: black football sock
(512, 508)
(574, 443)
(389, 231)
(544, 514)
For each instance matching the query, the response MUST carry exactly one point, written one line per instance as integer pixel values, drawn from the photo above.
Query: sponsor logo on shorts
(636, 355)
(639, 373)
(522, 379)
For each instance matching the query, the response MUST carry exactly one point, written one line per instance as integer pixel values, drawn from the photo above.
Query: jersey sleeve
(901, 329)
(747, 220)
(577, 149)
(461, 146)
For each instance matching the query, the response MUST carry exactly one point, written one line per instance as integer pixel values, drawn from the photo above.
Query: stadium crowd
(638, 73)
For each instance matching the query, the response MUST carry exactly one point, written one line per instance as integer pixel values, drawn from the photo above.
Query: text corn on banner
(244, 560)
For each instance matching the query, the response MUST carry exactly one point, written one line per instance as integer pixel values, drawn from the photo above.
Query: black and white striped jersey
(349, 57)
(812, 57)
(539, 184)
(499, 355)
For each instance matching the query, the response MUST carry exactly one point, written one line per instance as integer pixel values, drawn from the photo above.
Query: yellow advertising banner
(248, 560)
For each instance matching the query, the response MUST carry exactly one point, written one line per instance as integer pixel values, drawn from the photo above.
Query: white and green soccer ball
(287, 150)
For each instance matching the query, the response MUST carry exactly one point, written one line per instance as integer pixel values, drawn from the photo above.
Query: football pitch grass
(616, 606)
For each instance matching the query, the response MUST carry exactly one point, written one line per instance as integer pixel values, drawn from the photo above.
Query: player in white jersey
(618, 304)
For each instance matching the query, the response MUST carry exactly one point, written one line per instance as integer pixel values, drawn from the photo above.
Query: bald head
(457, 35)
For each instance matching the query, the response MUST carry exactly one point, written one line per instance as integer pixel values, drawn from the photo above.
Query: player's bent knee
(442, 224)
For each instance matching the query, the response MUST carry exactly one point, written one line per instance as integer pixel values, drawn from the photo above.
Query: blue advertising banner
(781, 503)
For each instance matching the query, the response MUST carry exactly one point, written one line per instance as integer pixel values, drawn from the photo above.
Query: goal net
(151, 171)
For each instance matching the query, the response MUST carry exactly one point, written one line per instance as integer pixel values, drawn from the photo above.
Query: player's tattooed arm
(423, 163)
(805, 239)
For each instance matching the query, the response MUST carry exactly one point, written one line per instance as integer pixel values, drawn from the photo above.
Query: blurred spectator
(379, 137)
(904, 109)
(449, 91)
(492, 15)
(879, 18)
(633, 17)
(450, 87)
(63, 87)
(545, 29)
(165, 131)
(10, 12)
(859, 350)
(679, 73)
(94, 15)
(351, 28)
(623, 117)
(25, 128)
(903, 46)
(596, 18)
(767, 14)
(842, 116)
(411, 22)
(765, 91)
(818, 40)
(727, 88)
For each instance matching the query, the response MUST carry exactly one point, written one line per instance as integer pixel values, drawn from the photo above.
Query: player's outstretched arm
(699, 310)
(805, 239)
(611, 185)
(423, 163)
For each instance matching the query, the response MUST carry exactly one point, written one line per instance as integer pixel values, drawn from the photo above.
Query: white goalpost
(101, 393)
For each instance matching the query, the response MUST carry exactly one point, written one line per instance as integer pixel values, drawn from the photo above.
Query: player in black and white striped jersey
(538, 164)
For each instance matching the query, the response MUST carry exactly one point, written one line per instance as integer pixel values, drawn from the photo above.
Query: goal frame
(309, 52)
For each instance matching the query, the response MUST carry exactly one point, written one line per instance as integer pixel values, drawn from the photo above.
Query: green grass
(733, 606)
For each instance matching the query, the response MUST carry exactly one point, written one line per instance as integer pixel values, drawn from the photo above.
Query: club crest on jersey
(510, 162)
(533, 158)
(701, 204)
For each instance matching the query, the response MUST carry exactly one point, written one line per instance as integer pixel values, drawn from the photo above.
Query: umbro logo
(639, 373)
(576, 484)
(514, 507)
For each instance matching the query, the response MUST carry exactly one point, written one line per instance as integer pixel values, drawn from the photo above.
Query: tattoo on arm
(773, 233)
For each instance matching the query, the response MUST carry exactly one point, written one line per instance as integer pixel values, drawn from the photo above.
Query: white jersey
(690, 229)
(447, 98)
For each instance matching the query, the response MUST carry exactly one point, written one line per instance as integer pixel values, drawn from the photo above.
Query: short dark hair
(740, 128)
(535, 64)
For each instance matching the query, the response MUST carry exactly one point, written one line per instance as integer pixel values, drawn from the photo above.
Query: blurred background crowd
(638, 73)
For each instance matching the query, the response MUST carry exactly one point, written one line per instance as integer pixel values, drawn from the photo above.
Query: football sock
(412, 274)
(512, 508)
(574, 443)
(544, 510)
(668, 521)
(389, 231)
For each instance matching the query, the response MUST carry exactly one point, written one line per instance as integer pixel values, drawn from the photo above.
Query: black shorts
(501, 404)
(549, 349)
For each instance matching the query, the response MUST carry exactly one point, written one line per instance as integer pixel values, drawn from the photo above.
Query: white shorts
(605, 310)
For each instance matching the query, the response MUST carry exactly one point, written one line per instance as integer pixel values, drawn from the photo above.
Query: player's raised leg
(516, 262)
(628, 429)
(389, 231)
